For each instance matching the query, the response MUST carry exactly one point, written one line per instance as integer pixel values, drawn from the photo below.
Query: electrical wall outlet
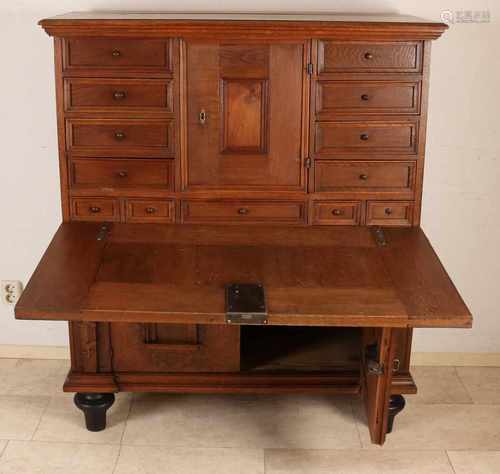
(11, 291)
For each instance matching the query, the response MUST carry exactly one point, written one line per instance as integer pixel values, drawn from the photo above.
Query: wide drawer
(290, 212)
(95, 209)
(121, 173)
(397, 137)
(336, 212)
(363, 175)
(354, 56)
(149, 210)
(116, 53)
(369, 97)
(117, 94)
(389, 213)
(121, 138)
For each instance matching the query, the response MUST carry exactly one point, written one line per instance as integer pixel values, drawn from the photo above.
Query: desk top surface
(313, 276)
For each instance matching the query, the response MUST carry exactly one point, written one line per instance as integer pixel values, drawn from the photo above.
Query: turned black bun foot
(396, 404)
(94, 407)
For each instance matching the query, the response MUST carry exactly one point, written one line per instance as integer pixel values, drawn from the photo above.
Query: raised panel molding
(245, 120)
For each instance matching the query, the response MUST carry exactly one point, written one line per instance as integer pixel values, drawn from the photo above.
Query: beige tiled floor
(451, 426)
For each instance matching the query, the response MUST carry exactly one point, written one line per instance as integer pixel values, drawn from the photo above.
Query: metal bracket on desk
(103, 231)
(379, 236)
(245, 304)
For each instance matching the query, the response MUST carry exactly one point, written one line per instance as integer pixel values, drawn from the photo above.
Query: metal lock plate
(245, 304)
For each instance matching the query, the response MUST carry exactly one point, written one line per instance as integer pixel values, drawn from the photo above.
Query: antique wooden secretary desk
(241, 203)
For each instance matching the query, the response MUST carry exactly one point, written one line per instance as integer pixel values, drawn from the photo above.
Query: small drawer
(116, 53)
(290, 212)
(336, 213)
(95, 209)
(350, 56)
(334, 138)
(150, 210)
(121, 173)
(117, 94)
(369, 97)
(363, 176)
(389, 213)
(127, 138)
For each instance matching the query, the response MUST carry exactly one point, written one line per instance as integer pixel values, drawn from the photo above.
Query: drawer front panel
(117, 94)
(149, 210)
(175, 348)
(389, 213)
(347, 56)
(116, 53)
(95, 209)
(121, 173)
(365, 137)
(243, 212)
(370, 97)
(336, 213)
(122, 138)
(363, 175)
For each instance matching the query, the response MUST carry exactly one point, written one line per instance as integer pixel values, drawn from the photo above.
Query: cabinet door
(246, 111)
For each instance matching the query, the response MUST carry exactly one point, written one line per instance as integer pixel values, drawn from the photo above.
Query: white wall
(462, 183)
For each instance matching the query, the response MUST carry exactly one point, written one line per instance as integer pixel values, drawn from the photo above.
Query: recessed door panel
(245, 116)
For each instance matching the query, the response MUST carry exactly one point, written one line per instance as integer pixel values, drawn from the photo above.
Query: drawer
(122, 173)
(120, 138)
(149, 210)
(117, 94)
(290, 212)
(336, 212)
(365, 137)
(95, 209)
(372, 56)
(363, 176)
(389, 213)
(116, 53)
(369, 97)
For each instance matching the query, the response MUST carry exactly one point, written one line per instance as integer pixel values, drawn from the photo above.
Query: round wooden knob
(388, 211)
(368, 56)
(119, 135)
(122, 174)
(119, 95)
(363, 177)
(365, 97)
(94, 209)
(243, 211)
(337, 212)
(116, 53)
(364, 137)
(150, 210)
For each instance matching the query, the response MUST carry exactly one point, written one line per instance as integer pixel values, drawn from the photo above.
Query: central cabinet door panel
(245, 114)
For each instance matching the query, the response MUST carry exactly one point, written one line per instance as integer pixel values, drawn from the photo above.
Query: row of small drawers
(156, 54)
(397, 213)
(330, 176)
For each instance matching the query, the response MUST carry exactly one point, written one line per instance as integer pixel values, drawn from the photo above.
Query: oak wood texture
(345, 279)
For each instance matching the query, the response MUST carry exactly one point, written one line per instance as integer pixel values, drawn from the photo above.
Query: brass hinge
(308, 163)
(310, 68)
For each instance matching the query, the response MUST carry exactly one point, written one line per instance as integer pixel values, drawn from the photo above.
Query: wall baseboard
(460, 359)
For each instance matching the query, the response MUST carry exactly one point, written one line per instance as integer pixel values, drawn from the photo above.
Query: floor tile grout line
(115, 467)
(464, 386)
(40, 419)
(129, 411)
(4, 448)
(356, 425)
(449, 461)
(264, 460)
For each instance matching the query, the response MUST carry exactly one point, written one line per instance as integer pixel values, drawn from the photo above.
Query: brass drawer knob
(365, 97)
(363, 177)
(116, 53)
(122, 174)
(364, 137)
(368, 56)
(243, 211)
(388, 211)
(94, 209)
(119, 95)
(150, 210)
(337, 212)
(120, 135)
